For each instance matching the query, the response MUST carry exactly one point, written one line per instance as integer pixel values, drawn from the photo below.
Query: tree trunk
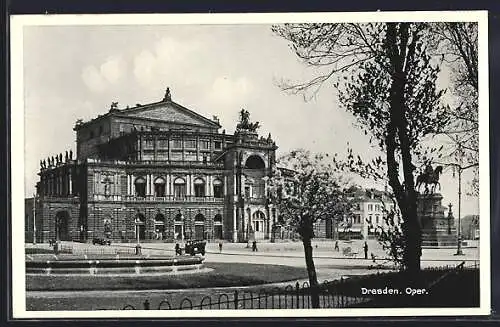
(398, 131)
(311, 271)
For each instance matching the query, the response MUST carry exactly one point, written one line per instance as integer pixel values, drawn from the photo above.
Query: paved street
(330, 265)
(292, 253)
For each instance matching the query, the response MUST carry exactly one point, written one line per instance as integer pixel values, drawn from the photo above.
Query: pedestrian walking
(337, 246)
(254, 246)
(220, 247)
(365, 247)
(177, 249)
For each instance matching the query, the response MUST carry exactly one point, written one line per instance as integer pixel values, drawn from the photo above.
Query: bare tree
(387, 80)
(457, 45)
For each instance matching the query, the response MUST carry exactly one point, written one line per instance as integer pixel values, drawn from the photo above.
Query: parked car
(195, 247)
(101, 241)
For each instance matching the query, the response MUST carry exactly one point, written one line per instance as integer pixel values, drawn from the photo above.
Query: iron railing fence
(332, 294)
(296, 296)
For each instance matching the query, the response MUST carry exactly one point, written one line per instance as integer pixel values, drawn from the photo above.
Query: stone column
(70, 184)
(169, 149)
(267, 222)
(152, 185)
(235, 228)
(96, 183)
(235, 186)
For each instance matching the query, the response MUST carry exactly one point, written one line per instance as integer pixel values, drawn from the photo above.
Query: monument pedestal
(438, 229)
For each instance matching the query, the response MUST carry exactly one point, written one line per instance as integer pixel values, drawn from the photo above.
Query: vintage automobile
(195, 247)
(101, 241)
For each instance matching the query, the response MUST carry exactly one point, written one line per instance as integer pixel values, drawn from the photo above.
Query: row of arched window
(179, 187)
(179, 217)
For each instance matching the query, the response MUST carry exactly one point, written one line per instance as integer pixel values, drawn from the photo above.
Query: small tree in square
(305, 192)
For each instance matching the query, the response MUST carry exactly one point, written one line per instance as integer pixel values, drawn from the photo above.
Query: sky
(75, 72)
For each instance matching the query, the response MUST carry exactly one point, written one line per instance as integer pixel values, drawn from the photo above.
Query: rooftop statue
(168, 95)
(114, 106)
(244, 124)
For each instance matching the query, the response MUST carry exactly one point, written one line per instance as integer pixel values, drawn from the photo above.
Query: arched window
(140, 187)
(179, 217)
(218, 189)
(199, 187)
(199, 217)
(255, 162)
(159, 184)
(218, 218)
(258, 221)
(107, 186)
(179, 187)
(139, 218)
(159, 218)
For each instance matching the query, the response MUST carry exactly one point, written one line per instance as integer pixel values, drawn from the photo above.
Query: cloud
(113, 69)
(227, 91)
(108, 73)
(144, 65)
(167, 58)
(93, 79)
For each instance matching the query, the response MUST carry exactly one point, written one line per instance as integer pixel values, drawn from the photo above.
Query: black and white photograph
(260, 165)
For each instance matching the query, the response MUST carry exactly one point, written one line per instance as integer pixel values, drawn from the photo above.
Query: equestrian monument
(438, 228)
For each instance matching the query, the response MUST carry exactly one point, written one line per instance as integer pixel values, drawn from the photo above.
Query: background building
(369, 212)
(469, 226)
(157, 172)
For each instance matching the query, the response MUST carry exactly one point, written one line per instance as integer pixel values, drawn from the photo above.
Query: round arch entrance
(159, 226)
(199, 227)
(254, 162)
(218, 226)
(62, 226)
(140, 229)
(259, 224)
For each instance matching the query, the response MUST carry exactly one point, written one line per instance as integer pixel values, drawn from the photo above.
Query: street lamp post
(460, 169)
(458, 166)
(459, 233)
(137, 231)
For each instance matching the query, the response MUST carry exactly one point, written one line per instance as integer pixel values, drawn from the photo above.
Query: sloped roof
(165, 110)
(170, 111)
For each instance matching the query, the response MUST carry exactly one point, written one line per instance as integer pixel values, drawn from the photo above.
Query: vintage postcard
(250, 165)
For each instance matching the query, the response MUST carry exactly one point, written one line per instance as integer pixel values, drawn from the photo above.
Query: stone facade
(368, 216)
(157, 172)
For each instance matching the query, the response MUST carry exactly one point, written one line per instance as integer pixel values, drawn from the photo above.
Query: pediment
(169, 111)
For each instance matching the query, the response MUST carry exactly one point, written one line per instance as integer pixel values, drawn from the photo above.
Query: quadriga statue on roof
(244, 124)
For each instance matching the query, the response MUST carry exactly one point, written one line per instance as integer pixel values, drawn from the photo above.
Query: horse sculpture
(429, 177)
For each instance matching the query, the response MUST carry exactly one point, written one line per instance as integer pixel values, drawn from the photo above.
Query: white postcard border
(17, 153)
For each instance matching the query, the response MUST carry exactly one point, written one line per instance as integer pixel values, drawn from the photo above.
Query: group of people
(178, 249)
